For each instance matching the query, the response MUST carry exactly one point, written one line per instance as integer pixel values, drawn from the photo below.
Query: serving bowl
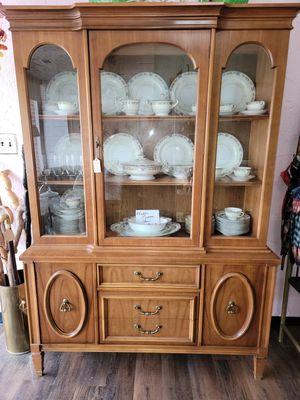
(142, 169)
(141, 227)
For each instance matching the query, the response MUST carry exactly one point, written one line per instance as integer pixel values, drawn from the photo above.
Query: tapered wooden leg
(259, 366)
(38, 362)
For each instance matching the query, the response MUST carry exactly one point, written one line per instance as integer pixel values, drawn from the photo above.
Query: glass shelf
(159, 181)
(149, 117)
(57, 117)
(241, 118)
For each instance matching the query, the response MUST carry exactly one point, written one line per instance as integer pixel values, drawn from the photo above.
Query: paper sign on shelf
(148, 217)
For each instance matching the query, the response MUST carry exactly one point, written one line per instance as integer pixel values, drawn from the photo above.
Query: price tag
(97, 166)
(148, 217)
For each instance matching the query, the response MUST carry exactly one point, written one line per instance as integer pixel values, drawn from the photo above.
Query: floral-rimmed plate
(123, 229)
(63, 87)
(184, 89)
(175, 149)
(119, 149)
(147, 86)
(238, 89)
(229, 153)
(113, 90)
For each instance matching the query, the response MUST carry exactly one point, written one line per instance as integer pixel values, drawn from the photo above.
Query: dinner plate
(68, 145)
(123, 229)
(118, 149)
(174, 149)
(238, 89)
(147, 86)
(63, 87)
(113, 90)
(251, 112)
(229, 153)
(184, 89)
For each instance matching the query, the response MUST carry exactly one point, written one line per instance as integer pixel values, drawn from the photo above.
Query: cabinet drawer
(157, 275)
(144, 318)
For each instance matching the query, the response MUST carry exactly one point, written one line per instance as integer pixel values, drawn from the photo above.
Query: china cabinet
(150, 134)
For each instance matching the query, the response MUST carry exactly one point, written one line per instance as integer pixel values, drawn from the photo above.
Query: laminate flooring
(96, 376)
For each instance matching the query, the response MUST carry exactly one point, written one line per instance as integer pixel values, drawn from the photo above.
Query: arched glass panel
(245, 103)
(55, 120)
(149, 102)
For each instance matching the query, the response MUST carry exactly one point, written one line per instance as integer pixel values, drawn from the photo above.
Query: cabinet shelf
(246, 118)
(159, 181)
(61, 183)
(57, 117)
(148, 118)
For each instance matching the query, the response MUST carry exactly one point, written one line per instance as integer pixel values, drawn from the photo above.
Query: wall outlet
(8, 143)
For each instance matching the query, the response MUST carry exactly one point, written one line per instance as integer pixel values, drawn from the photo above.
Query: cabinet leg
(259, 366)
(38, 362)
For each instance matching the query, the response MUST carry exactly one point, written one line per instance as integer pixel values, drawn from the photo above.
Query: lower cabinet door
(233, 304)
(148, 317)
(65, 298)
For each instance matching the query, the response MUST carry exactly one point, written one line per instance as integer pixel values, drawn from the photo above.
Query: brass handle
(147, 313)
(65, 306)
(23, 306)
(146, 332)
(232, 308)
(143, 278)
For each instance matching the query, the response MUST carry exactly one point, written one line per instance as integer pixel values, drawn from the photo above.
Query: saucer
(252, 112)
(241, 179)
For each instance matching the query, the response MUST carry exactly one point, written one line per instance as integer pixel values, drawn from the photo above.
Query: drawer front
(158, 275)
(144, 318)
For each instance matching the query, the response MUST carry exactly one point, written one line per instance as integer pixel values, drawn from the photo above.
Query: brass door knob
(232, 308)
(65, 306)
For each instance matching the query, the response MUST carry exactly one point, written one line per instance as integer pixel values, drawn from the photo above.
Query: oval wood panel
(65, 285)
(220, 297)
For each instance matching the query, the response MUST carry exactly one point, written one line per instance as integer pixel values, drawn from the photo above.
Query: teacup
(130, 106)
(179, 171)
(162, 107)
(67, 106)
(242, 172)
(227, 108)
(256, 105)
(234, 213)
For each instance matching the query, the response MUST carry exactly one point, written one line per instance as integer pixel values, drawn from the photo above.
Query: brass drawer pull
(65, 306)
(232, 308)
(146, 332)
(147, 313)
(143, 278)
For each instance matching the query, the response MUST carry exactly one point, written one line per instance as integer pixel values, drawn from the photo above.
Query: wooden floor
(94, 376)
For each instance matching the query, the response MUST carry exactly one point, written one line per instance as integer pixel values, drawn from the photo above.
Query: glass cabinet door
(242, 143)
(55, 121)
(148, 98)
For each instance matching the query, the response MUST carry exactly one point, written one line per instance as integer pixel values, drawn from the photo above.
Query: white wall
(289, 133)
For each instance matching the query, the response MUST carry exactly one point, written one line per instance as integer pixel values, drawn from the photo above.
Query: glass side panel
(246, 96)
(55, 120)
(148, 98)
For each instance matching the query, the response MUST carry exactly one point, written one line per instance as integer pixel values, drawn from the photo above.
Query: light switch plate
(8, 143)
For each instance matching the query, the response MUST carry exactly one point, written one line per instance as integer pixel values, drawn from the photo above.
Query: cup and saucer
(255, 108)
(242, 174)
(227, 109)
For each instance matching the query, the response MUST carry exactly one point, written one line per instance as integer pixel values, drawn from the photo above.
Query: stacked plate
(133, 228)
(228, 227)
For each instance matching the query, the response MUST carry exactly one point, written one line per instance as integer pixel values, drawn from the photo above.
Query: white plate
(113, 90)
(184, 89)
(229, 153)
(240, 179)
(174, 149)
(226, 113)
(123, 229)
(68, 146)
(118, 149)
(257, 112)
(237, 88)
(147, 86)
(63, 87)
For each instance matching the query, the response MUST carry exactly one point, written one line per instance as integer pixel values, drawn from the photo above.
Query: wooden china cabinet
(93, 286)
